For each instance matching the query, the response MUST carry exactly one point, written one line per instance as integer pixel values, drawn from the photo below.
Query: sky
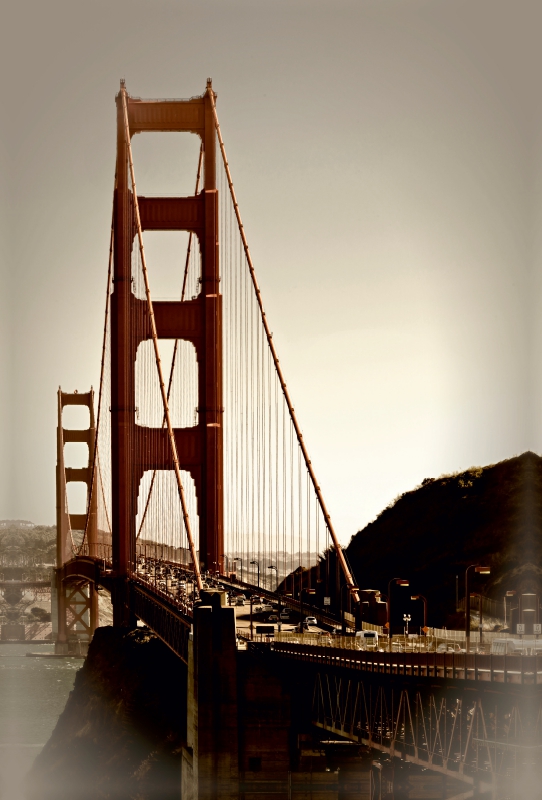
(386, 156)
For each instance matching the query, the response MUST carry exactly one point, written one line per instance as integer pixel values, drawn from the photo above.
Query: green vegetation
(490, 515)
(40, 615)
(22, 543)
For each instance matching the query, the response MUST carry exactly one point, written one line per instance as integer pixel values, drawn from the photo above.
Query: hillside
(490, 515)
(23, 543)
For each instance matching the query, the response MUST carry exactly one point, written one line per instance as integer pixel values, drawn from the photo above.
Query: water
(33, 693)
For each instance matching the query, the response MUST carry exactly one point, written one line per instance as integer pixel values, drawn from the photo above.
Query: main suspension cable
(176, 346)
(100, 394)
(346, 571)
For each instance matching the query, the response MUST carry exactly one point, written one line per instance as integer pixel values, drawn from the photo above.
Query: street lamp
(343, 619)
(309, 591)
(511, 593)
(421, 597)
(240, 560)
(481, 571)
(479, 596)
(272, 566)
(399, 582)
(283, 594)
(223, 555)
(256, 564)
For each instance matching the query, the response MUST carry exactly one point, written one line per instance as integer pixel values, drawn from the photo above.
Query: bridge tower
(76, 597)
(136, 448)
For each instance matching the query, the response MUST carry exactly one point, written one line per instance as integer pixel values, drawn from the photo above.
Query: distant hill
(490, 515)
(23, 542)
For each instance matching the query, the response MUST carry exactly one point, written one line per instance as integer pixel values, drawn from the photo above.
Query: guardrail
(456, 666)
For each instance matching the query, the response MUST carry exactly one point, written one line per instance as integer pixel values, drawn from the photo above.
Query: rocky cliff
(121, 732)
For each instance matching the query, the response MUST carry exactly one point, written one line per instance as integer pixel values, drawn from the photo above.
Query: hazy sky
(386, 157)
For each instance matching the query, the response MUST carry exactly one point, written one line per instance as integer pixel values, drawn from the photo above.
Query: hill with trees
(486, 515)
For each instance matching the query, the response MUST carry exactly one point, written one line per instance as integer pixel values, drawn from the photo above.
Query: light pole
(256, 564)
(399, 582)
(343, 619)
(406, 620)
(421, 597)
(272, 566)
(285, 594)
(479, 596)
(309, 591)
(240, 560)
(511, 593)
(223, 555)
(481, 570)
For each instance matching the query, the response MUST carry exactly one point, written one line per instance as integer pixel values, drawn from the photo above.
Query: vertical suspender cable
(347, 574)
(152, 321)
(176, 346)
(102, 373)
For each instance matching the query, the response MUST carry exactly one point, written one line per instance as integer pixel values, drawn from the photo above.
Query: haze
(386, 158)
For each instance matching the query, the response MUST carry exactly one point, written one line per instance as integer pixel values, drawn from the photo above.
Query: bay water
(33, 693)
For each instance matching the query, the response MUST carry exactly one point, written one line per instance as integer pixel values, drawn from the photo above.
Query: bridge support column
(212, 730)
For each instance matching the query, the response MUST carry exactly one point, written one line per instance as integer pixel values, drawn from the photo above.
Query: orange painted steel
(176, 346)
(70, 594)
(163, 392)
(136, 449)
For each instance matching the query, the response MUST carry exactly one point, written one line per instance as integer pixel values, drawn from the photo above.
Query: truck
(368, 640)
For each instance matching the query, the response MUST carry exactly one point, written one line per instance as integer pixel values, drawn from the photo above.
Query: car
(311, 621)
(239, 601)
(284, 615)
(273, 618)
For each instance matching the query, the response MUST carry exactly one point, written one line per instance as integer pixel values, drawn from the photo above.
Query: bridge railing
(517, 669)
(99, 550)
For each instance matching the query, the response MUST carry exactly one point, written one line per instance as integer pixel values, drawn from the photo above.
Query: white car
(311, 621)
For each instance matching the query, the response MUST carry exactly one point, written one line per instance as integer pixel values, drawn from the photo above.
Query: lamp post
(511, 593)
(480, 629)
(256, 564)
(283, 594)
(481, 570)
(406, 620)
(421, 597)
(399, 582)
(223, 555)
(308, 591)
(240, 560)
(343, 620)
(272, 566)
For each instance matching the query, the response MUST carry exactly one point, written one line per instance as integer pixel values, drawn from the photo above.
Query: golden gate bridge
(196, 459)
(197, 466)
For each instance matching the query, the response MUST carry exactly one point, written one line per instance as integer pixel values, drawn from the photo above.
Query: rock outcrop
(121, 733)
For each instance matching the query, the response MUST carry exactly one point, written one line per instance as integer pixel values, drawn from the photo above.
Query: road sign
(537, 628)
(425, 629)
(520, 628)
(327, 601)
